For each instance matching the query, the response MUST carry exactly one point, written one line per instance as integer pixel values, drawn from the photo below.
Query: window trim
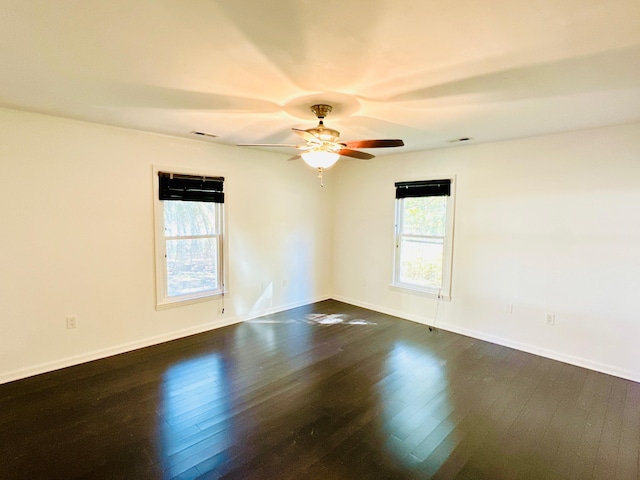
(444, 292)
(163, 300)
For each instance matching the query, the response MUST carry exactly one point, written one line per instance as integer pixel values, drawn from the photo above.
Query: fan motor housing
(323, 133)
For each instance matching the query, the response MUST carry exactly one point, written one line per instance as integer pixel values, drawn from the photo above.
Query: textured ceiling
(425, 71)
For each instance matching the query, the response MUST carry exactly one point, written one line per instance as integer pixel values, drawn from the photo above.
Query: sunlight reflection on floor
(318, 319)
(195, 415)
(416, 380)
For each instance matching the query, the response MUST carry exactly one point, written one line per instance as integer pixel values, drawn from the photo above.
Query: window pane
(192, 265)
(189, 218)
(421, 262)
(424, 215)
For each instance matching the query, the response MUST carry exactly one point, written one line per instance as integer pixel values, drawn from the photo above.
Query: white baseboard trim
(108, 352)
(545, 352)
(11, 376)
(386, 311)
(282, 308)
(505, 342)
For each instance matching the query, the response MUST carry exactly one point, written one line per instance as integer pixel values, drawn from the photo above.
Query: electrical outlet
(72, 321)
(508, 308)
(550, 319)
(285, 284)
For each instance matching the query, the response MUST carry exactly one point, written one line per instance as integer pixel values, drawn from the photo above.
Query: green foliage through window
(191, 247)
(420, 241)
(424, 215)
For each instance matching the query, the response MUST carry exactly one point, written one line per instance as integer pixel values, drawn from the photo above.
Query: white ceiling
(426, 71)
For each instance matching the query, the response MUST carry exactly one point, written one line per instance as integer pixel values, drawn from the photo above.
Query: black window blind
(191, 188)
(424, 188)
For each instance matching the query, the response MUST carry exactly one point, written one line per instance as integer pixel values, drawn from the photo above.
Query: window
(189, 238)
(424, 234)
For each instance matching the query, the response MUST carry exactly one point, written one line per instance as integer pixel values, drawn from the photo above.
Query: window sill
(419, 291)
(166, 304)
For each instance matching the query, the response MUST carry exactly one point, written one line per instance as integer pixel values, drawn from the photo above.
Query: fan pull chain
(320, 176)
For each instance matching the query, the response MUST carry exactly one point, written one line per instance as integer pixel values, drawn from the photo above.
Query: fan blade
(355, 154)
(295, 157)
(374, 143)
(306, 135)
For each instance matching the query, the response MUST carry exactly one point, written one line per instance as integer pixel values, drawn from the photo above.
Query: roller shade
(190, 188)
(424, 188)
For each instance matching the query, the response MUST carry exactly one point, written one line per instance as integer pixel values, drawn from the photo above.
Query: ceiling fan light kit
(322, 148)
(320, 158)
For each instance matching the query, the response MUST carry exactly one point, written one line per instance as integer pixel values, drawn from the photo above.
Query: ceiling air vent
(460, 140)
(204, 134)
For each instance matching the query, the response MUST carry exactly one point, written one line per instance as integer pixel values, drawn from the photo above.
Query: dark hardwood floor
(327, 391)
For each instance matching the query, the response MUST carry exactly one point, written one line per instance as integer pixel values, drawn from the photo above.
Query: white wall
(76, 207)
(549, 224)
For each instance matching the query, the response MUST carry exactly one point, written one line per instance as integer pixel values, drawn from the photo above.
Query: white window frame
(444, 291)
(163, 300)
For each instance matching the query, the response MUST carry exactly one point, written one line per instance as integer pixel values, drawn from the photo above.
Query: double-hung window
(189, 238)
(424, 236)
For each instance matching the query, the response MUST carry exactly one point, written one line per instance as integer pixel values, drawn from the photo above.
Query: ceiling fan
(322, 147)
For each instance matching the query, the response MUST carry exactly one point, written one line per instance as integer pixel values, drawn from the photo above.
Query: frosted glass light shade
(320, 158)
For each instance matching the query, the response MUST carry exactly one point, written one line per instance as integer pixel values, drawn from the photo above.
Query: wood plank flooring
(327, 391)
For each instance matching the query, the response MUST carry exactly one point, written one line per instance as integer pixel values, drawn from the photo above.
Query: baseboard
(386, 311)
(545, 352)
(505, 342)
(108, 352)
(147, 342)
(282, 308)
(98, 354)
